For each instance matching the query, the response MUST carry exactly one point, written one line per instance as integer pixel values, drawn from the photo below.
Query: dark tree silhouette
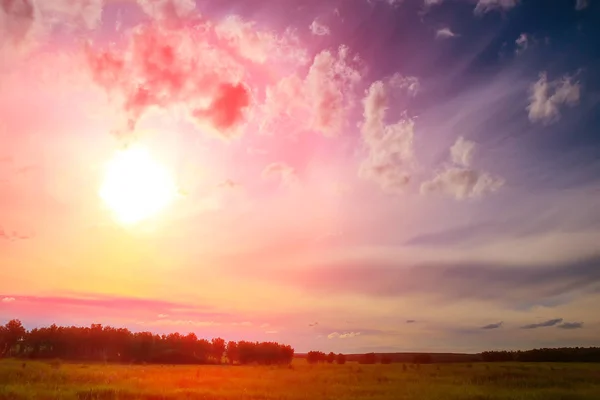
(314, 357)
(98, 343)
(340, 359)
(369, 358)
(330, 358)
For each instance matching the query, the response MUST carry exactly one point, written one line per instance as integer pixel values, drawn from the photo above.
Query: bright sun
(135, 186)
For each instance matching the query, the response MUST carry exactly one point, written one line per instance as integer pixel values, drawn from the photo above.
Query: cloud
(390, 148)
(167, 10)
(319, 29)
(484, 6)
(320, 102)
(522, 43)
(511, 283)
(7, 300)
(347, 335)
(313, 324)
(493, 326)
(462, 181)
(429, 3)
(550, 322)
(581, 4)
(571, 325)
(445, 33)
(284, 172)
(462, 152)
(546, 98)
(204, 69)
(410, 321)
(162, 315)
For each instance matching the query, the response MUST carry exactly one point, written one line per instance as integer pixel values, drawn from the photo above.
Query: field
(479, 381)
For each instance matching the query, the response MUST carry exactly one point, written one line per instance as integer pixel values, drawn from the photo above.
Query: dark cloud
(410, 321)
(514, 284)
(314, 324)
(571, 325)
(493, 326)
(550, 322)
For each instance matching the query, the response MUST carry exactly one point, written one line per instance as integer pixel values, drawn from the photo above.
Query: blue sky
(347, 166)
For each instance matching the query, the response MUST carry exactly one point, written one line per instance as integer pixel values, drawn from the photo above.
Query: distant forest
(108, 344)
(104, 343)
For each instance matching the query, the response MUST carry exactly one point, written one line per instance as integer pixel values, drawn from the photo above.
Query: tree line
(105, 343)
(563, 354)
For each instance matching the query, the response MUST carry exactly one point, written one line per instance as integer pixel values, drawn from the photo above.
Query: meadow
(299, 381)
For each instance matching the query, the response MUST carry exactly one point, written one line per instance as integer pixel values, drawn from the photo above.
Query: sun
(135, 186)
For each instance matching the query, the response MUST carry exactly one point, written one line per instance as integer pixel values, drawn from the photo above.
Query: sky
(353, 176)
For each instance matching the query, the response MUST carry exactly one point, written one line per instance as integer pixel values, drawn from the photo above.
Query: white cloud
(522, 43)
(445, 33)
(581, 4)
(461, 181)
(319, 29)
(410, 84)
(484, 6)
(281, 170)
(162, 10)
(8, 300)
(162, 316)
(546, 98)
(429, 3)
(390, 147)
(337, 335)
(320, 101)
(462, 152)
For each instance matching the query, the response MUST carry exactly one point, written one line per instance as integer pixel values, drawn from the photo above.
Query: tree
(232, 352)
(314, 357)
(386, 360)
(12, 334)
(218, 349)
(340, 359)
(330, 358)
(369, 358)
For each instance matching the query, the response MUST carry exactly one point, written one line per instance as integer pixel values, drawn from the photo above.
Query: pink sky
(330, 198)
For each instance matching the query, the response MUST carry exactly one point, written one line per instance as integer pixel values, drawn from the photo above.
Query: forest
(105, 343)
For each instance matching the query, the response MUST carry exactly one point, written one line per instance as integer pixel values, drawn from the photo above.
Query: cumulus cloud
(319, 29)
(204, 69)
(461, 181)
(546, 98)
(462, 152)
(493, 326)
(484, 6)
(581, 4)
(281, 170)
(545, 324)
(347, 335)
(167, 10)
(8, 300)
(522, 43)
(571, 325)
(445, 33)
(320, 101)
(24, 23)
(390, 149)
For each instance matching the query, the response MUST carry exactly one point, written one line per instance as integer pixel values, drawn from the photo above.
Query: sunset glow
(136, 186)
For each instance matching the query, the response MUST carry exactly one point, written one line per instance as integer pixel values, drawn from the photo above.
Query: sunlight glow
(136, 187)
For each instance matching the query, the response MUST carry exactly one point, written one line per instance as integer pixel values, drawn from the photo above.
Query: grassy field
(38, 380)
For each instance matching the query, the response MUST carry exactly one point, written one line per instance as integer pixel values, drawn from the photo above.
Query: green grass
(45, 381)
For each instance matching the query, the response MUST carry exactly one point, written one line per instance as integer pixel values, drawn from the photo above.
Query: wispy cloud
(484, 6)
(571, 325)
(581, 4)
(493, 326)
(522, 43)
(545, 324)
(319, 29)
(347, 335)
(445, 33)
(8, 300)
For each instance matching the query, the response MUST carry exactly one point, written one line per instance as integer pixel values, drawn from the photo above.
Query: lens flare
(136, 187)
